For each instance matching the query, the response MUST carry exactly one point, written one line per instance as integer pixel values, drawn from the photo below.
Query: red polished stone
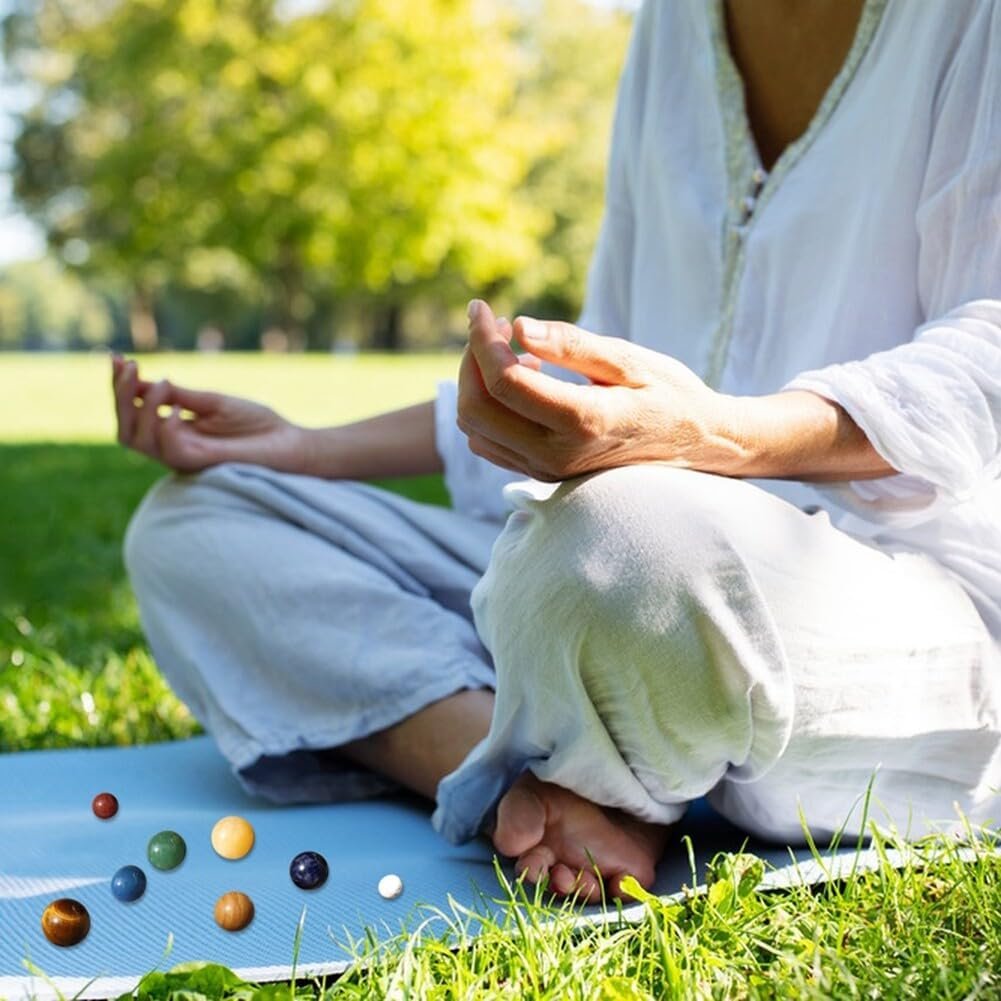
(104, 806)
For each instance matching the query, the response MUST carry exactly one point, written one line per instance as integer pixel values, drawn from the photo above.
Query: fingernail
(533, 329)
(473, 311)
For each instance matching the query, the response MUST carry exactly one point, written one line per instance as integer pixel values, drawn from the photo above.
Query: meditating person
(749, 545)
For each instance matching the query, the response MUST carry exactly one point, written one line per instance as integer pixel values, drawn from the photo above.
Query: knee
(155, 545)
(619, 547)
(613, 532)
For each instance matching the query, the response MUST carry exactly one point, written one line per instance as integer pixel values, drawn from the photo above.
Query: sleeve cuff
(474, 484)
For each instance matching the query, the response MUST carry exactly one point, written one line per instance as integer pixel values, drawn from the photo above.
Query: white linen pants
(654, 635)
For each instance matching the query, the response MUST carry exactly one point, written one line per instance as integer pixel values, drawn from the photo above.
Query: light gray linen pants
(654, 635)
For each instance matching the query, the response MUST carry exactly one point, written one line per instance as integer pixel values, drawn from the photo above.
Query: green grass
(75, 671)
(923, 928)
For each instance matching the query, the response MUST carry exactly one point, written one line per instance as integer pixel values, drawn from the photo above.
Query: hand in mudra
(200, 429)
(639, 406)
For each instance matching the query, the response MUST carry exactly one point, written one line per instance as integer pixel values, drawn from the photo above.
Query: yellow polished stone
(232, 837)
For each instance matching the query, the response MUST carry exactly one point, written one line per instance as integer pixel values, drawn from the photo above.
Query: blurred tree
(363, 150)
(573, 54)
(44, 307)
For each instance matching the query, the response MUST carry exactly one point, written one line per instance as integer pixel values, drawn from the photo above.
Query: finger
(167, 430)
(497, 454)
(147, 419)
(518, 387)
(609, 361)
(199, 402)
(531, 361)
(125, 389)
(479, 413)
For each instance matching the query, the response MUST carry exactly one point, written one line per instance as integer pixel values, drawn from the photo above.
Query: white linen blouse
(865, 266)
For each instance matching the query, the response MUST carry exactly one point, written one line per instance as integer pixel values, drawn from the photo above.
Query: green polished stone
(166, 850)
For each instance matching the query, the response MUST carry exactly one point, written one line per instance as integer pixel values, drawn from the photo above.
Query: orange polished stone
(234, 911)
(65, 922)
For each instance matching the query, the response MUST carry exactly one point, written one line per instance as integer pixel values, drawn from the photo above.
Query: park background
(298, 174)
(293, 200)
(290, 200)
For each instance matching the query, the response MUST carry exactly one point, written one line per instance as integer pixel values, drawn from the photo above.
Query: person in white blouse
(755, 545)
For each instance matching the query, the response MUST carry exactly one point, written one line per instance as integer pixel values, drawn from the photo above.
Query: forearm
(399, 443)
(793, 435)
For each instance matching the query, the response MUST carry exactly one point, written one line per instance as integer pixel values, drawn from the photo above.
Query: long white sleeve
(932, 407)
(474, 484)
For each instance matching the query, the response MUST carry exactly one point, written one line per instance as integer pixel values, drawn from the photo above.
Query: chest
(788, 53)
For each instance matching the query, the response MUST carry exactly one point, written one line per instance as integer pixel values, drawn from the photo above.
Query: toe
(644, 875)
(521, 821)
(580, 883)
(536, 863)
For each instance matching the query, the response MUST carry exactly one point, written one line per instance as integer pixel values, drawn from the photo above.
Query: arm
(220, 428)
(398, 443)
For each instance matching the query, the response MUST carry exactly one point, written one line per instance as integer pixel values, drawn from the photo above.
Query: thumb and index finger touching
(198, 401)
(522, 387)
(601, 359)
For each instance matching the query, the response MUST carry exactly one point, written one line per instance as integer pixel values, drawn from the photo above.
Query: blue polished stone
(309, 870)
(129, 883)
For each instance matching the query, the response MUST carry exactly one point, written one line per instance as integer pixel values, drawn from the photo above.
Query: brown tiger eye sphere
(65, 922)
(234, 911)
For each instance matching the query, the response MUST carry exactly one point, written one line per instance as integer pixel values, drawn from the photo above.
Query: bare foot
(551, 831)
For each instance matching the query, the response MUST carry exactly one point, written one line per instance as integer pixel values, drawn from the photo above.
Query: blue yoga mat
(51, 846)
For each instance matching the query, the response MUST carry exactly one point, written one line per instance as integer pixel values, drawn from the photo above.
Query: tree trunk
(142, 321)
(387, 334)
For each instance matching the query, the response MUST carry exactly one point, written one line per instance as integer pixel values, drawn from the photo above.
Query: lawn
(74, 671)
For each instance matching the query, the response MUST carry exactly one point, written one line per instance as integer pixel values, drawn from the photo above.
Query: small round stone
(65, 922)
(390, 886)
(234, 911)
(128, 884)
(105, 805)
(309, 870)
(166, 850)
(232, 837)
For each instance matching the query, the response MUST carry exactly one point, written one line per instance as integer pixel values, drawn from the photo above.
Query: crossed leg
(578, 847)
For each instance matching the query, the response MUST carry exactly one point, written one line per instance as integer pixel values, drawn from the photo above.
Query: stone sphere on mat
(390, 886)
(234, 911)
(65, 922)
(232, 837)
(166, 850)
(128, 884)
(309, 870)
(105, 805)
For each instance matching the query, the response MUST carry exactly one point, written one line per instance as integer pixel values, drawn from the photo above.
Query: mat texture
(51, 845)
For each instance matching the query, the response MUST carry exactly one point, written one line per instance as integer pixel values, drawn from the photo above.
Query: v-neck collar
(749, 185)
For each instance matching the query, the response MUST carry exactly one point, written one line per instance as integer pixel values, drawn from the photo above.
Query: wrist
(729, 440)
(316, 451)
(795, 434)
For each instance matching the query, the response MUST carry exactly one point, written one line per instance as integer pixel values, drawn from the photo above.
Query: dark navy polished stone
(309, 870)
(129, 883)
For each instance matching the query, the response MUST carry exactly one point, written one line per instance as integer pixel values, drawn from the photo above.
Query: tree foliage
(360, 151)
